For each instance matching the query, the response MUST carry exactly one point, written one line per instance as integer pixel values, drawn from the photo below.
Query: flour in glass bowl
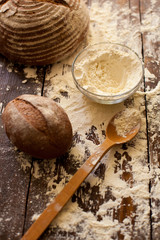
(109, 71)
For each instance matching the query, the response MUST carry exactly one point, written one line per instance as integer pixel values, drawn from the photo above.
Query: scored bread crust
(38, 126)
(40, 32)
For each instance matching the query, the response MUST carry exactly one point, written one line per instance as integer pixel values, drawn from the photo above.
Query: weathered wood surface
(14, 182)
(23, 191)
(151, 46)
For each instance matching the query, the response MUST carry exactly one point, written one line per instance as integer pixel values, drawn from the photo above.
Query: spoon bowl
(112, 138)
(112, 135)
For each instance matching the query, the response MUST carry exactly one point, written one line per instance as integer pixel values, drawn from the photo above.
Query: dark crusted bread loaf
(38, 126)
(40, 32)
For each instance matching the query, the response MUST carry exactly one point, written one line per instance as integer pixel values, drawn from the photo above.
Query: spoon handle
(62, 198)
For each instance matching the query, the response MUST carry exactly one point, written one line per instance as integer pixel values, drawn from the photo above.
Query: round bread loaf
(40, 32)
(38, 126)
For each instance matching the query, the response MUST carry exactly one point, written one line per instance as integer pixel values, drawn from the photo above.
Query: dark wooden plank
(129, 207)
(151, 30)
(15, 175)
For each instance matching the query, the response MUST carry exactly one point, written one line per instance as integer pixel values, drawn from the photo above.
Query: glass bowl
(101, 72)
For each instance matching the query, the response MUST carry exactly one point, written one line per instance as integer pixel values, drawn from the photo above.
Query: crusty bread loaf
(38, 126)
(40, 32)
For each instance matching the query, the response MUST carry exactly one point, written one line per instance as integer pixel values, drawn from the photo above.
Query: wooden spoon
(62, 198)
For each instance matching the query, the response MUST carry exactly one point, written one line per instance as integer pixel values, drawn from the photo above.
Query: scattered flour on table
(154, 92)
(89, 117)
(24, 160)
(1, 106)
(10, 67)
(85, 115)
(30, 72)
(148, 75)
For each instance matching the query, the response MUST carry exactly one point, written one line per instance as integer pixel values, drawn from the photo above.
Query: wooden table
(23, 195)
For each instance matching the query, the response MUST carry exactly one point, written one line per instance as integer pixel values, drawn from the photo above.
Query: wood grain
(127, 209)
(14, 181)
(151, 46)
(26, 192)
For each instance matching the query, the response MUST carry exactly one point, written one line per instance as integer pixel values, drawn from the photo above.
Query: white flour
(108, 71)
(126, 175)
(126, 120)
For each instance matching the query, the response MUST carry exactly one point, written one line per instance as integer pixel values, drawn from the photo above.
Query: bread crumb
(24, 81)
(8, 88)
(35, 217)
